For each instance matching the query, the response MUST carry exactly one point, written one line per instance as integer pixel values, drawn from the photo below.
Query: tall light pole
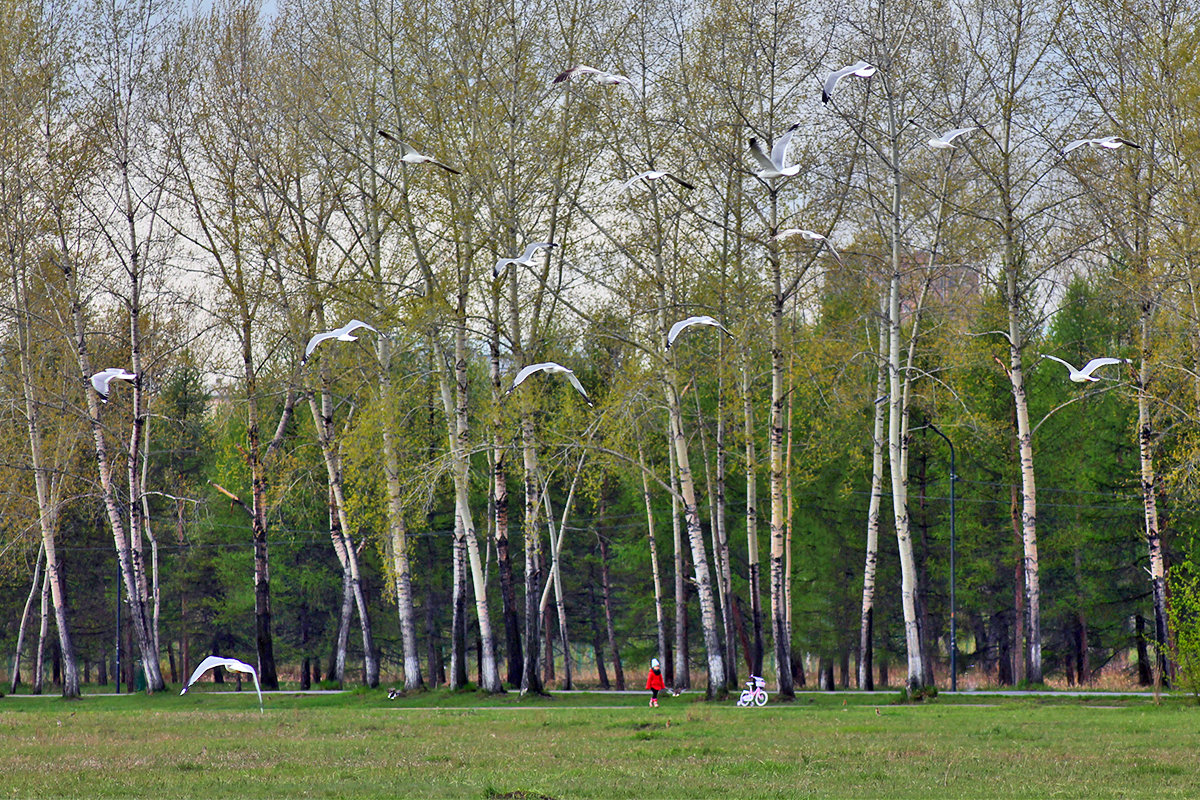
(953, 636)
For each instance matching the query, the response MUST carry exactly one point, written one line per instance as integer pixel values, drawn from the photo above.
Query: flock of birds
(771, 167)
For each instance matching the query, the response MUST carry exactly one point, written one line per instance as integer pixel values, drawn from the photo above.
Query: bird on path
(944, 142)
(553, 369)
(774, 166)
(703, 319)
(597, 75)
(525, 259)
(653, 175)
(811, 236)
(859, 69)
(342, 334)
(228, 663)
(102, 379)
(1084, 375)
(410, 154)
(1106, 142)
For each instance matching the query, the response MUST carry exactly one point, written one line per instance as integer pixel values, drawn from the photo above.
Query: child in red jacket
(654, 682)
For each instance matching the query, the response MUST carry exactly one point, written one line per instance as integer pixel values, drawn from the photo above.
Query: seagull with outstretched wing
(525, 259)
(1084, 375)
(597, 75)
(228, 663)
(775, 165)
(859, 69)
(653, 175)
(811, 236)
(410, 154)
(342, 334)
(1104, 142)
(102, 379)
(683, 324)
(946, 140)
(551, 368)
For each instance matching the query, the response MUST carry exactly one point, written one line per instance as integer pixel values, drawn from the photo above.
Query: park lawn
(361, 745)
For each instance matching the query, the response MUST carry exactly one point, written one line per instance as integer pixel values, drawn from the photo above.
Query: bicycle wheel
(760, 697)
(743, 701)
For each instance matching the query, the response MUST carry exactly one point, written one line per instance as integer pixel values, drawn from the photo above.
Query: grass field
(361, 745)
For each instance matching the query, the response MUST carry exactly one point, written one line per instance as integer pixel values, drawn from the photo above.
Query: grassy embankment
(361, 745)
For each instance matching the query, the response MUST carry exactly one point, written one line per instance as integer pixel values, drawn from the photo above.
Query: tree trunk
(659, 617)
(781, 633)
(458, 625)
(866, 680)
(39, 663)
(897, 427)
(1158, 580)
(530, 680)
(33, 590)
(608, 613)
(753, 573)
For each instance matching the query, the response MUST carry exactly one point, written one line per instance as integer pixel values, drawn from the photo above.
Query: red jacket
(654, 680)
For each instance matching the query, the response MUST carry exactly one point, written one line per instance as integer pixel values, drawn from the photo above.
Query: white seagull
(101, 380)
(1107, 142)
(703, 319)
(653, 175)
(525, 259)
(859, 69)
(342, 334)
(228, 663)
(944, 141)
(1084, 375)
(411, 155)
(553, 369)
(811, 236)
(774, 166)
(597, 75)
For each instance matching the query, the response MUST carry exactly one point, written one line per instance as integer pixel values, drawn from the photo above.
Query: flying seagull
(101, 380)
(1084, 375)
(811, 236)
(653, 175)
(525, 259)
(342, 334)
(859, 69)
(411, 155)
(228, 663)
(553, 369)
(774, 166)
(678, 327)
(597, 75)
(943, 142)
(1107, 142)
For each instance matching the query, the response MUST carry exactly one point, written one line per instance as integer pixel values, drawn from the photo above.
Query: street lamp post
(953, 631)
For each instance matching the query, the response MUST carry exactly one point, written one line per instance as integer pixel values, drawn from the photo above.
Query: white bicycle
(755, 694)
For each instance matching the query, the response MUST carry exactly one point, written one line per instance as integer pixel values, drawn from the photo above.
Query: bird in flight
(101, 380)
(859, 69)
(597, 75)
(1084, 375)
(553, 369)
(342, 334)
(525, 259)
(944, 142)
(774, 166)
(228, 663)
(1106, 142)
(653, 175)
(410, 154)
(811, 236)
(680, 326)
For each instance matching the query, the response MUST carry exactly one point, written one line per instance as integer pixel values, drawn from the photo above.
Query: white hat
(654, 663)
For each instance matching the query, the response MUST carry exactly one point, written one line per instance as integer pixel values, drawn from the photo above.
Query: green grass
(441, 744)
